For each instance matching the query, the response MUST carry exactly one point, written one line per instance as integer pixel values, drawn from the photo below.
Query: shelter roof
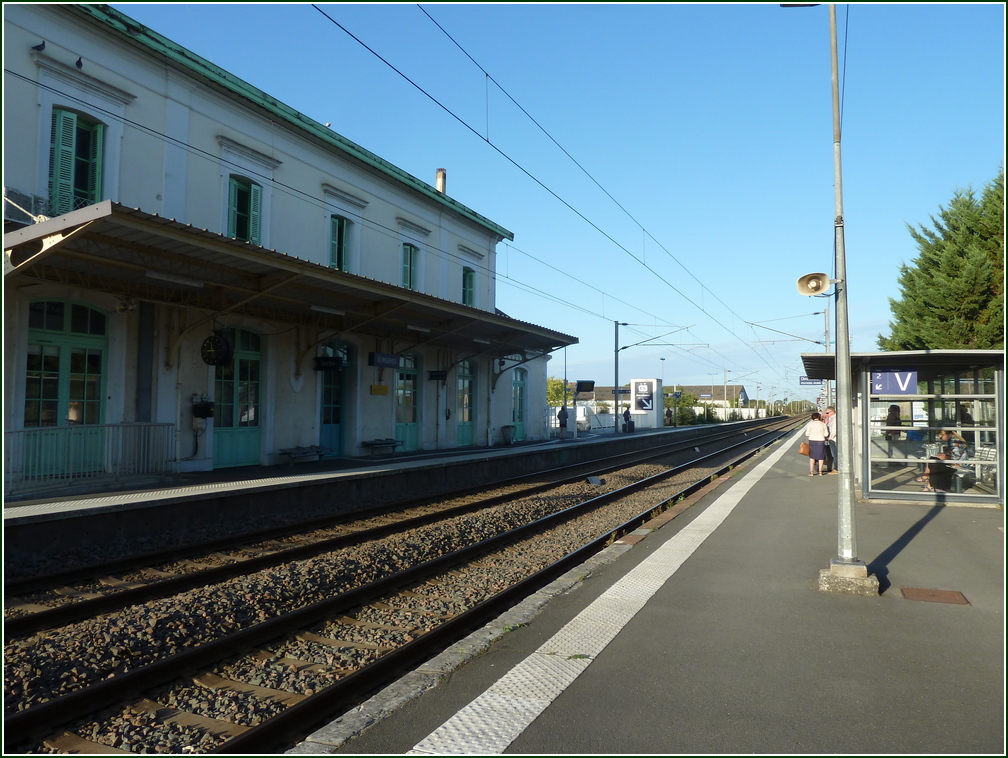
(130, 254)
(927, 363)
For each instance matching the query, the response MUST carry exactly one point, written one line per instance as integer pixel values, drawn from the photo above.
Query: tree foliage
(953, 293)
(683, 408)
(555, 391)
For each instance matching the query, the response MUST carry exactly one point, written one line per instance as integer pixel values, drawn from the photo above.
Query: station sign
(708, 395)
(383, 360)
(644, 396)
(621, 391)
(442, 375)
(328, 362)
(812, 382)
(894, 382)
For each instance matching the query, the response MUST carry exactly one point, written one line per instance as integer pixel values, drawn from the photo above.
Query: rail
(23, 724)
(53, 456)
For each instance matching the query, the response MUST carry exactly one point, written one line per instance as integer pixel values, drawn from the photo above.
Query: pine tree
(953, 293)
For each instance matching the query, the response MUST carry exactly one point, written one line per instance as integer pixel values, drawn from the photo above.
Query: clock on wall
(217, 349)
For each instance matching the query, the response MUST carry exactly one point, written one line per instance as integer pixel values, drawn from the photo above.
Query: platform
(710, 636)
(142, 517)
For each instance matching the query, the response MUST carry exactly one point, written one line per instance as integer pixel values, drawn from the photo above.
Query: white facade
(180, 139)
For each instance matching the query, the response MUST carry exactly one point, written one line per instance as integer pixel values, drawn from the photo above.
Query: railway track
(36, 603)
(430, 584)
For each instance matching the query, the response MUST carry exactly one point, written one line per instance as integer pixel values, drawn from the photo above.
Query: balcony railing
(54, 456)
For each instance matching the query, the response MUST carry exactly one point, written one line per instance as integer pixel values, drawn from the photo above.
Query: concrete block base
(849, 577)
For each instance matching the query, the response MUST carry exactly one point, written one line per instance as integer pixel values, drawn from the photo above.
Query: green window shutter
(337, 242)
(61, 161)
(95, 177)
(408, 261)
(232, 219)
(255, 214)
(468, 286)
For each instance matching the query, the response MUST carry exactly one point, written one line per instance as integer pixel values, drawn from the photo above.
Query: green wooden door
(519, 403)
(237, 404)
(331, 405)
(64, 389)
(464, 407)
(407, 426)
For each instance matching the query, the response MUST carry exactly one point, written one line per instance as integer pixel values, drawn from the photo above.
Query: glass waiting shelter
(928, 424)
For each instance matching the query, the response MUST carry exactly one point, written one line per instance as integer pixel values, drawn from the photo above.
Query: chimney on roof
(442, 178)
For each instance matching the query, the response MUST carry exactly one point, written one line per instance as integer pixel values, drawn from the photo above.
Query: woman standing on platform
(817, 433)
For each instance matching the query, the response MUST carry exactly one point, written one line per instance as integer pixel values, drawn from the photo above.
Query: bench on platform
(967, 470)
(986, 474)
(303, 452)
(377, 444)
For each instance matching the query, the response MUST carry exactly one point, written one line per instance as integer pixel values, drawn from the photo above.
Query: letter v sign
(906, 384)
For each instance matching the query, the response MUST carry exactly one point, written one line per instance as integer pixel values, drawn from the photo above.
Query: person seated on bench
(938, 474)
(952, 445)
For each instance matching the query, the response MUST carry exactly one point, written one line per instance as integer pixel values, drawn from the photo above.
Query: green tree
(555, 391)
(953, 293)
(683, 407)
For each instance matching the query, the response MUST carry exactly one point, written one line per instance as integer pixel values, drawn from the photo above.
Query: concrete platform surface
(710, 636)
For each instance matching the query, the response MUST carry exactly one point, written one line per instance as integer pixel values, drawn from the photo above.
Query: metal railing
(67, 455)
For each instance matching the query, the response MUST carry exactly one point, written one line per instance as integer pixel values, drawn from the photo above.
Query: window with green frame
(468, 286)
(244, 210)
(409, 262)
(75, 162)
(337, 242)
(64, 364)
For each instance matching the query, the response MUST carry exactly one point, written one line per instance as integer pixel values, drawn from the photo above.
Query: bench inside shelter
(390, 443)
(983, 474)
(304, 452)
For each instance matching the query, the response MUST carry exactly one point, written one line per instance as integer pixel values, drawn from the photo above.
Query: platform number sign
(894, 382)
(645, 396)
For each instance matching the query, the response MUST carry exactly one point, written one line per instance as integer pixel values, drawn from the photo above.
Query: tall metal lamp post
(616, 386)
(845, 573)
(711, 404)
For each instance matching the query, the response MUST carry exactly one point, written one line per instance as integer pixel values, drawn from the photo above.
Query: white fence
(64, 455)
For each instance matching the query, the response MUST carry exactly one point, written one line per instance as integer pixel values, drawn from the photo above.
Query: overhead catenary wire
(535, 179)
(449, 255)
(317, 202)
(592, 178)
(749, 345)
(577, 163)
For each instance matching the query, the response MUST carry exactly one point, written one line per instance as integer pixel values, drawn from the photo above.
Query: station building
(197, 276)
(904, 401)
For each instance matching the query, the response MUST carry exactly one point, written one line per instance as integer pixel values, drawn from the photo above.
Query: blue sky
(706, 130)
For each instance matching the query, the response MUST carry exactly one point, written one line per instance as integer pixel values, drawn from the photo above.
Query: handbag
(803, 449)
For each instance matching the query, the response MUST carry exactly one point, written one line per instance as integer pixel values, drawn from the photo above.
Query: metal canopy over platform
(927, 363)
(131, 254)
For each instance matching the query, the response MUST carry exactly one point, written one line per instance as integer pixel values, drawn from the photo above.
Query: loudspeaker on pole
(813, 284)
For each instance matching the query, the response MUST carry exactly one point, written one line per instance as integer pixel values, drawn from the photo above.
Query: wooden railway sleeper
(338, 643)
